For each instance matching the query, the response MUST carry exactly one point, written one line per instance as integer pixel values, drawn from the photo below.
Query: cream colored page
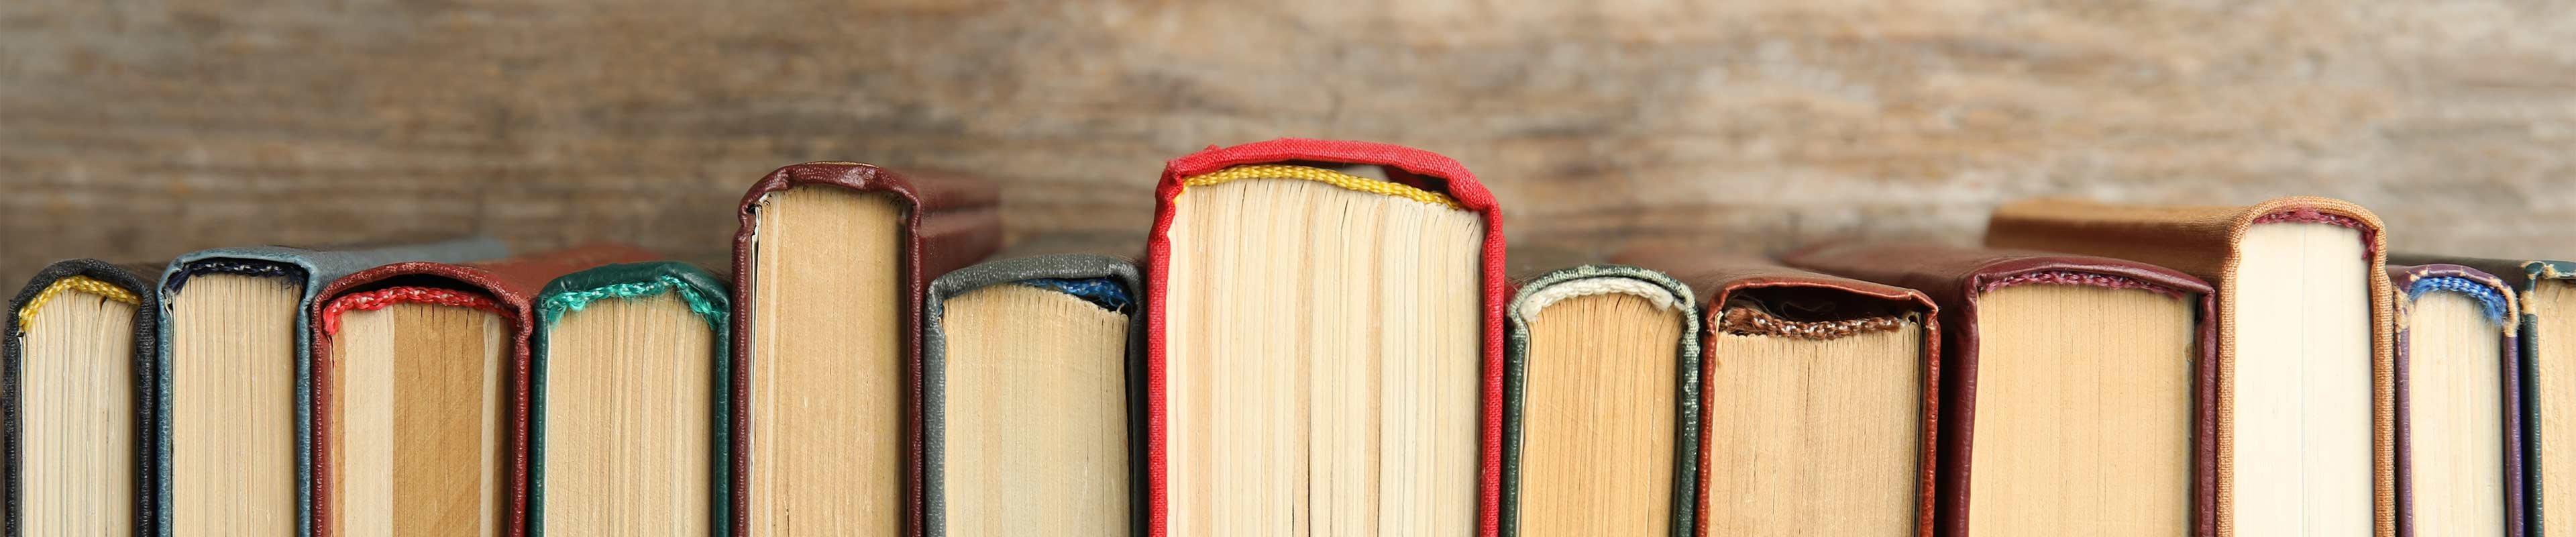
(1036, 414)
(2553, 304)
(826, 364)
(1323, 362)
(232, 382)
(2302, 386)
(2455, 405)
(77, 438)
(630, 420)
(1815, 437)
(1597, 445)
(2084, 412)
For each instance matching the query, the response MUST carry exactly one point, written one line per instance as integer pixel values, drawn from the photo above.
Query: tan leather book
(2306, 382)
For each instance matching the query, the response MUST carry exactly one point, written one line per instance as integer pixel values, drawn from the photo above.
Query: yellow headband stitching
(85, 284)
(1320, 175)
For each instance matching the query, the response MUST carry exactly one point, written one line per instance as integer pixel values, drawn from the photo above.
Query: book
(2076, 389)
(628, 409)
(420, 391)
(1323, 343)
(2459, 402)
(1601, 423)
(1033, 389)
(75, 382)
(829, 268)
(234, 346)
(2306, 417)
(1820, 396)
(2545, 293)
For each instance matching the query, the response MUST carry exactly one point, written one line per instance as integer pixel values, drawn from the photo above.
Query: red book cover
(1412, 167)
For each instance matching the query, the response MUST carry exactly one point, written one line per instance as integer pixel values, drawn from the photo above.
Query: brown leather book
(420, 393)
(2306, 385)
(1819, 397)
(829, 269)
(2097, 377)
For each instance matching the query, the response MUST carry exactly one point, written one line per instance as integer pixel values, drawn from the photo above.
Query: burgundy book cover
(505, 287)
(1414, 167)
(951, 220)
(1955, 277)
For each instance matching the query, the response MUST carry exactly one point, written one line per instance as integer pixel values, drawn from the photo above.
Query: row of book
(1323, 337)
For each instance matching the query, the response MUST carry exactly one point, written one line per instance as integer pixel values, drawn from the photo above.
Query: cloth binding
(382, 298)
(1662, 298)
(1103, 292)
(1307, 173)
(85, 284)
(2489, 301)
(707, 309)
(2064, 277)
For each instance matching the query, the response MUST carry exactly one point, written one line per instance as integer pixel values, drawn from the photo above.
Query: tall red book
(1324, 343)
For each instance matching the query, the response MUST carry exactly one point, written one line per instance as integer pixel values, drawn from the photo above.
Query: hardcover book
(1820, 397)
(1034, 379)
(1602, 402)
(421, 393)
(627, 410)
(1324, 343)
(2306, 389)
(2459, 403)
(75, 401)
(2545, 291)
(2077, 395)
(829, 268)
(234, 351)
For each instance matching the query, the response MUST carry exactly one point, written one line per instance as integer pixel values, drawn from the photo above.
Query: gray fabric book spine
(1686, 394)
(934, 353)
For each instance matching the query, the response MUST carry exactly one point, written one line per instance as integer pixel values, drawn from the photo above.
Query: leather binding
(13, 351)
(1956, 277)
(2412, 282)
(512, 284)
(2524, 277)
(1413, 167)
(2203, 241)
(934, 354)
(1718, 278)
(1530, 282)
(950, 220)
(706, 295)
(311, 269)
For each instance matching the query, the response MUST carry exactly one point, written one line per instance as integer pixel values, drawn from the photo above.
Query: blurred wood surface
(135, 130)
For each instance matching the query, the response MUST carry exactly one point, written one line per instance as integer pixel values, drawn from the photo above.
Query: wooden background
(135, 130)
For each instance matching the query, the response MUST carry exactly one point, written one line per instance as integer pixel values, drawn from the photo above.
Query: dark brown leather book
(1820, 397)
(2544, 292)
(420, 390)
(2079, 391)
(2306, 399)
(830, 265)
(2460, 428)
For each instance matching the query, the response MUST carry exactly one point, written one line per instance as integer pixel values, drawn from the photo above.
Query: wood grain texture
(139, 130)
